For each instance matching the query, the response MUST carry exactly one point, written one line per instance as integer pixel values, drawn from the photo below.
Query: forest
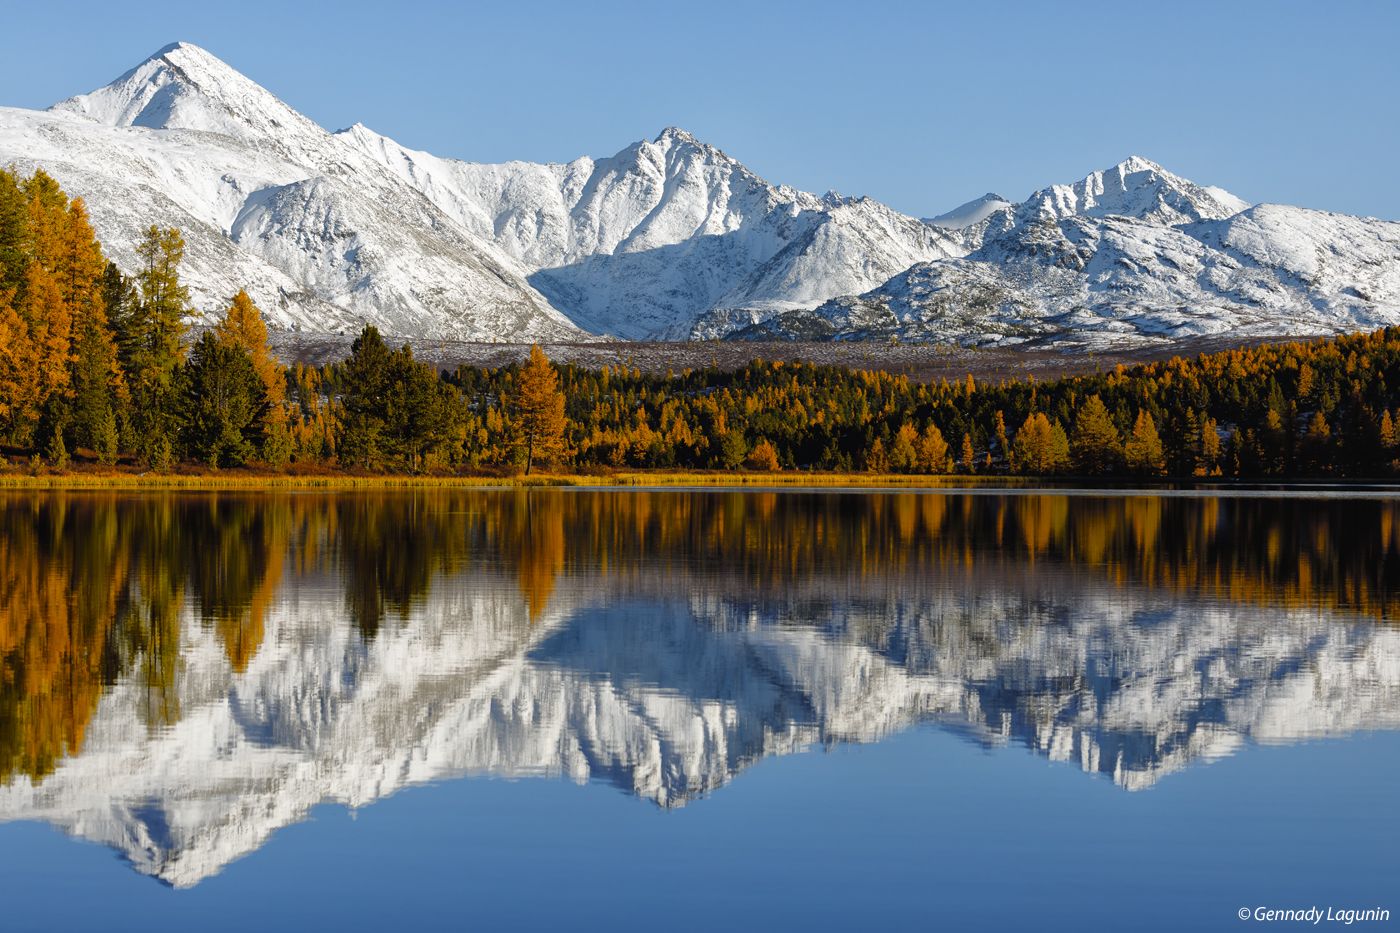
(99, 370)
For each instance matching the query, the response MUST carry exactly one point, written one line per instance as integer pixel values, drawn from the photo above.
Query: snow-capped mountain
(642, 243)
(327, 230)
(322, 237)
(670, 237)
(1129, 255)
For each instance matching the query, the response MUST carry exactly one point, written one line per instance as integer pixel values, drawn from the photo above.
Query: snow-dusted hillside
(642, 243)
(670, 237)
(1127, 256)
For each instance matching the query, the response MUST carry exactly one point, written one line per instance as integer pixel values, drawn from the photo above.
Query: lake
(688, 709)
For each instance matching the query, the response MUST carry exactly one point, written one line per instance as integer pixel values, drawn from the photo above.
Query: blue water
(1254, 741)
(923, 830)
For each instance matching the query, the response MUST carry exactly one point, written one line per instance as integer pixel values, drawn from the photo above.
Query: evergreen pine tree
(225, 403)
(732, 449)
(96, 385)
(156, 352)
(420, 410)
(363, 433)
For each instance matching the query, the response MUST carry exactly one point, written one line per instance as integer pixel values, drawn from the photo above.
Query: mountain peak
(1137, 163)
(973, 212)
(184, 87)
(358, 129)
(1139, 188)
(676, 134)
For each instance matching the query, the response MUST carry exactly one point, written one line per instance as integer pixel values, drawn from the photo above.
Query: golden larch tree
(538, 409)
(242, 326)
(1143, 450)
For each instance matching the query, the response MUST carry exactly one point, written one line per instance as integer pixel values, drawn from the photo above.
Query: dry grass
(276, 481)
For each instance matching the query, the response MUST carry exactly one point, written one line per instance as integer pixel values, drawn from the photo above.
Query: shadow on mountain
(660, 292)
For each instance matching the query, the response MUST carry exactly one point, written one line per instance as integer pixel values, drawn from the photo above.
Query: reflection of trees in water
(533, 532)
(58, 567)
(1342, 554)
(236, 554)
(392, 547)
(93, 587)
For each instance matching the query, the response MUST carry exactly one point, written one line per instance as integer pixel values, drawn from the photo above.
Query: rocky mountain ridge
(671, 237)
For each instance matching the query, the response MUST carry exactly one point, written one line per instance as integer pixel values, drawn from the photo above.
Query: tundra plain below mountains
(671, 238)
(921, 362)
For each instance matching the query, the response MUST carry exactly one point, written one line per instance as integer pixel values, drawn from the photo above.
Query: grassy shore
(249, 480)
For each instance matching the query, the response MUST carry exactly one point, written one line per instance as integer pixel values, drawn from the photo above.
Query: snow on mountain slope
(642, 243)
(973, 212)
(128, 178)
(348, 227)
(1135, 187)
(1129, 255)
(321, 236)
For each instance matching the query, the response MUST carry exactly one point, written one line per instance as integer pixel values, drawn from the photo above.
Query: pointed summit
(1138, 188)
(973, 212)
(675, 134)
(184, 87)
(1137, 163)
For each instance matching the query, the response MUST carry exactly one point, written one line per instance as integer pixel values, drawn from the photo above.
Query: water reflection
(182, 675)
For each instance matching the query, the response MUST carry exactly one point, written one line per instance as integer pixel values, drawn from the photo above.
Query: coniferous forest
(96, 366)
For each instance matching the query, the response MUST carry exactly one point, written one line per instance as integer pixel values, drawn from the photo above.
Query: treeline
(96, 361)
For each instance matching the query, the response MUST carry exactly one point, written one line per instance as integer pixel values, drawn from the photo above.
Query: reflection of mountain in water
(667, 685)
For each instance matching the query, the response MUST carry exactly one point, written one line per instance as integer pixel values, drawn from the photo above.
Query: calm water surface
(695, 710)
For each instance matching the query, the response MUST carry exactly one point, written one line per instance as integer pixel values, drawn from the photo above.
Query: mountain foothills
(669, 238)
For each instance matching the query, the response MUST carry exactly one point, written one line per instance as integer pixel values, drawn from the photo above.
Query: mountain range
(670, 238)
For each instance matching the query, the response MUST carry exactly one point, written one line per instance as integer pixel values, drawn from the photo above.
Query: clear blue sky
(922, 105)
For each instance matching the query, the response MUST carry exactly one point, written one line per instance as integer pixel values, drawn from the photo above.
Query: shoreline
(641, 480)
